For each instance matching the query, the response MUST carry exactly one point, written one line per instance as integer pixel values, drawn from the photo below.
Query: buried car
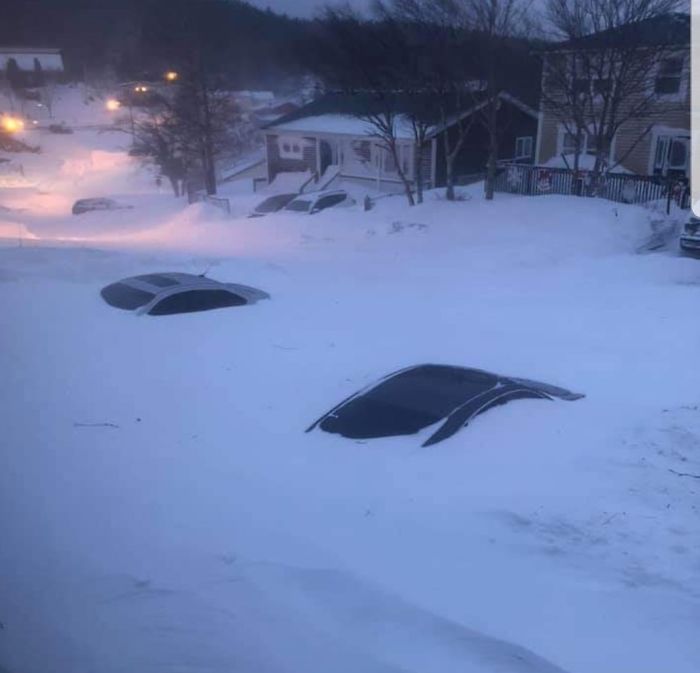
(173, 292)
(272, 204)
(690, 238)
(407, 401)
(87, 205)
(315, 202)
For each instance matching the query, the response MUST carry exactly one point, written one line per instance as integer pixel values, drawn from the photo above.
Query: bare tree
(495, 21)
(437, 47)
(361, 58)
(599, 80)
(186, 133)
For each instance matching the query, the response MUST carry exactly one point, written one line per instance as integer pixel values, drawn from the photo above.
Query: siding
(673, 114)
(276, 164)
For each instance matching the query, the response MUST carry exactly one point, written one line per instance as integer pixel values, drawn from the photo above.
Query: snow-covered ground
(162, 509)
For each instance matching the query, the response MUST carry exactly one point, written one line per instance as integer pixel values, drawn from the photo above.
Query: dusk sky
(305, 8)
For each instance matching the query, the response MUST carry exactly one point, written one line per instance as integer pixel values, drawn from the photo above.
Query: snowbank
(162, 507)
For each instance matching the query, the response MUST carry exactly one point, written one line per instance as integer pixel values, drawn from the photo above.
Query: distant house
(331, 138)
(50, 61)
(656, 142)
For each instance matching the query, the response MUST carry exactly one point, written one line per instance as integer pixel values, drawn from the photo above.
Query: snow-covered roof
(338, 124)
(50, 59)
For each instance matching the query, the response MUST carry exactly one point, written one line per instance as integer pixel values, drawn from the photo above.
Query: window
(670, 154)
(328, 201)
(299, 205)
(121, 295)
(157, 280)
(582, 86)
(568, 144)
(523, 147)
(291, 148)
(196, 300)
(668, 78)
(678, 154)
(601, 86)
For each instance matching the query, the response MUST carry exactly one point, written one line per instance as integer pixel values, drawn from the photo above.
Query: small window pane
(678, 155)
(661, 151)
(196, 300)
(569, 143)
(668, 80)
(601, 86)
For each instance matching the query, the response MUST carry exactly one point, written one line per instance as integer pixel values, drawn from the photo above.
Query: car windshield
(274, 203)
(300, 205)
(121, 295)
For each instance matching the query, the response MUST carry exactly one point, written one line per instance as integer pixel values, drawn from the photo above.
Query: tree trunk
(492, 161)
(419, 172)
(406, 182)
(175, 186)
(209, 171)
(449, 167)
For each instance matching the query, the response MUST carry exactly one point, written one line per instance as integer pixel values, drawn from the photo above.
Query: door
(326, 155)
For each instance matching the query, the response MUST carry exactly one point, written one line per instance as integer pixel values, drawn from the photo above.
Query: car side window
(196, 300)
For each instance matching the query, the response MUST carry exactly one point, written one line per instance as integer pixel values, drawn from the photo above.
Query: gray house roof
(344, 113)
(664, 30)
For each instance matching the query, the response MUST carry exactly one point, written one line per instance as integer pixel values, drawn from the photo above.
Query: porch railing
(620, 187)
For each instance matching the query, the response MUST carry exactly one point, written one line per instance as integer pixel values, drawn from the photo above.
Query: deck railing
(620, 187)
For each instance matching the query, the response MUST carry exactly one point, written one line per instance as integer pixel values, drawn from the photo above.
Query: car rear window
(196, 300)
(124, 296)
(299, 205)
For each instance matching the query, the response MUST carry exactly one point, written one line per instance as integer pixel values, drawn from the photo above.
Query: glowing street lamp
(171, 76)
(113, 104)
(11, 124)
(140, 88)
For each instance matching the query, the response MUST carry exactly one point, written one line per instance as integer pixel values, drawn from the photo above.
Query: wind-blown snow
(161, 507)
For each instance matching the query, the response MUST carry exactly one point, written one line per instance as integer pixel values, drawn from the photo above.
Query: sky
(303, 8)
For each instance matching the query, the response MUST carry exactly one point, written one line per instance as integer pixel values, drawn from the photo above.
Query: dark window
(601, 86)
(196, 300)
(299, 205)
(523, 147)
(328, 201)
(274, 203)
(668, 79)
(124, 296)
(157, 280)
(582, 86)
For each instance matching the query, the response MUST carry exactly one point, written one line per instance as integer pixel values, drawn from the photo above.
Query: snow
(163, 509)
(339, 124)
(586, 163)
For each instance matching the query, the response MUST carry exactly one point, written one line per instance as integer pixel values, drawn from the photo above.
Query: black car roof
(414, 398)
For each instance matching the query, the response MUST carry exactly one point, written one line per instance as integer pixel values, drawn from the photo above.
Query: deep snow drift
(162, 509)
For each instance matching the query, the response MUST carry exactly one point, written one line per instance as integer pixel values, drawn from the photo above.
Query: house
(29, 59)
(654, 142)
(332, 138)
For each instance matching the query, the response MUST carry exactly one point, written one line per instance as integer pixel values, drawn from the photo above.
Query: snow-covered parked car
(174, 292)
(87, 205)
(407, 401)
(315, 202)
(272, 204)
(690, 237)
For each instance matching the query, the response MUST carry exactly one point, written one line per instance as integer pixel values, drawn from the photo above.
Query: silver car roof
(188, 281)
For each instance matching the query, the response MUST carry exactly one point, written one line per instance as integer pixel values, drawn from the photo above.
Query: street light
(171, 76)
(11, 124)
(113, 104)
